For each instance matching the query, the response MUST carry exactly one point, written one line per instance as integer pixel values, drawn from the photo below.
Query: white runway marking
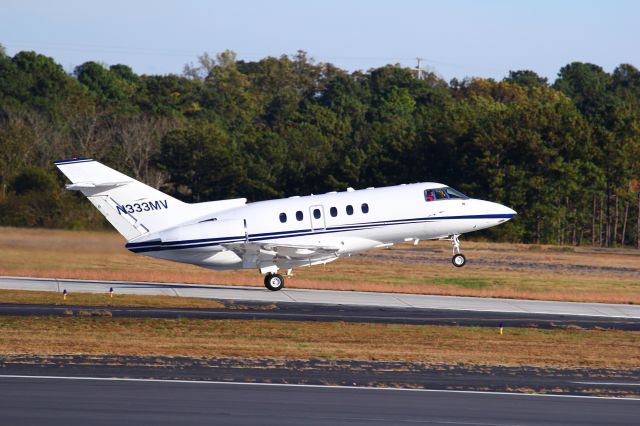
(213, 382)
(608, 383)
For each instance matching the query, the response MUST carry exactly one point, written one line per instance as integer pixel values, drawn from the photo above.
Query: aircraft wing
(261, 252)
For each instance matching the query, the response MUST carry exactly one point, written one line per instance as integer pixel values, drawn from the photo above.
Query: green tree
(36, 82)
(33, 179)
(202, 163)
(526, 78)
(107, 86)
(16, 146)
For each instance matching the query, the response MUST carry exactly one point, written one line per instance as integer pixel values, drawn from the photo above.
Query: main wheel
(459, 260)
(274, 282)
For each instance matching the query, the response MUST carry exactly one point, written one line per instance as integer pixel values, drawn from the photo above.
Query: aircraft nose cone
(499, 210)
(508, 211)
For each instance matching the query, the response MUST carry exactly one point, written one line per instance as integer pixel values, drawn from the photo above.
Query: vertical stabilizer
(132, 207)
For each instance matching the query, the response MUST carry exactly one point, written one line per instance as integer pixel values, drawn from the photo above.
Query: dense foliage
(565, 156)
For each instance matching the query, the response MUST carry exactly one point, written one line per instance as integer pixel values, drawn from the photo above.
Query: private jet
(282, 234)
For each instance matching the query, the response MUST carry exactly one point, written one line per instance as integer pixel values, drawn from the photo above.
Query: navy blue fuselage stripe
(283, 232)
(162, 248)
(158, 242)
(156, 245)
(202, 240)
(73, 160)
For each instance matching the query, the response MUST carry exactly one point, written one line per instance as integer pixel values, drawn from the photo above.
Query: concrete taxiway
(84, 400)
(327, 297)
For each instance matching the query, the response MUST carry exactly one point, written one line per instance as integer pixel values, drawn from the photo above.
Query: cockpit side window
(441, 194)
(445, 193)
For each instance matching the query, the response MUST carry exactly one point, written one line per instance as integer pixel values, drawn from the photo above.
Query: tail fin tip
(73, 160)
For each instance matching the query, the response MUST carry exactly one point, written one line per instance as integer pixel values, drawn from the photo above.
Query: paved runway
(64, 401)
(293, 311)
(385, 300)
(353, 373)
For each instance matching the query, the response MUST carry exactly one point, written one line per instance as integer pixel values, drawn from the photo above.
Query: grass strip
(310, 340)
(103, 299)
(579, 274)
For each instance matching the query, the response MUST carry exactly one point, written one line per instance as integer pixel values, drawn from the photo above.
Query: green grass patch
(471, 282)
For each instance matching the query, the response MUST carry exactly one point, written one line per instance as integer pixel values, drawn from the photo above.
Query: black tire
(459, 260)
(274, 282)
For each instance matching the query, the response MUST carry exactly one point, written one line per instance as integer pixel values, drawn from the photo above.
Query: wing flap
(270, 251)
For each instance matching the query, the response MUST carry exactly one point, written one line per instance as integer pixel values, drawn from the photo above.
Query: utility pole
(419, 69)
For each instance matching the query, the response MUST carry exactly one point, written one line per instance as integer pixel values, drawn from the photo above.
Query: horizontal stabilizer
(90, 185)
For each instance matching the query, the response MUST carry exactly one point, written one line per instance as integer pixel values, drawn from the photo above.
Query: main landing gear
(458, 259)
(274, 282)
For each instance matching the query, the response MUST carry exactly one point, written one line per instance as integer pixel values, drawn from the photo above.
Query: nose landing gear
(458, 259)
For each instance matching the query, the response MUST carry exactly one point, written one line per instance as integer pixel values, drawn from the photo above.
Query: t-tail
(132, 207)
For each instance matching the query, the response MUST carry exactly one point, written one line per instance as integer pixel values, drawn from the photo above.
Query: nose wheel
(458, 259)
(274, 282)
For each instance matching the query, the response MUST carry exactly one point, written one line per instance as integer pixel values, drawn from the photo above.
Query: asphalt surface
(187, 391)
(414, 375)
(326, 297)
(58, 401)
(291, 311)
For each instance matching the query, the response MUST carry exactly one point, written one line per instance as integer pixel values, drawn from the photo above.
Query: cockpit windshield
(455, 195)
(445, 193)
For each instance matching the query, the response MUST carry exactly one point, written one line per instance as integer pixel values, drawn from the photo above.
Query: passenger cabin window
(316, 213)
(349, 210)
(443, 194)
(365, 208)
(333, 211)
(299, 215)
(283, 217)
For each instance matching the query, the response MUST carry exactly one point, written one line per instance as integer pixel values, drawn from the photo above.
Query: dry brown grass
(118, 300)
(299, 340)
(96, 255)
(502, 270)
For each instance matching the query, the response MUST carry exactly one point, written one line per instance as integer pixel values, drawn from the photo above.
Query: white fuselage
(319, 228)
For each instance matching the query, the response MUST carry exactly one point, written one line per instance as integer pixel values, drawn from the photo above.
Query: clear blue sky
(456, 38)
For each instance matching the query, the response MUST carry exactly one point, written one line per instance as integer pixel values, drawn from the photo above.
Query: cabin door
(316, 213)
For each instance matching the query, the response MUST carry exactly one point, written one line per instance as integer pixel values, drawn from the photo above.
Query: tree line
(563, 154)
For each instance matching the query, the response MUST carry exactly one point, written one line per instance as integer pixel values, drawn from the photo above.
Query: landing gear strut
(273, 282)
(458, 259)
